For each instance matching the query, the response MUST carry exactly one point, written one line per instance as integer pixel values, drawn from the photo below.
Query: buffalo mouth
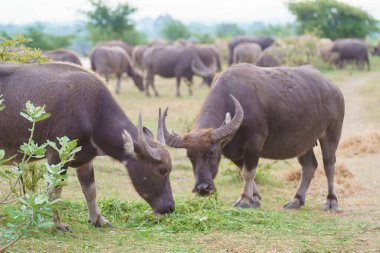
(204, 189)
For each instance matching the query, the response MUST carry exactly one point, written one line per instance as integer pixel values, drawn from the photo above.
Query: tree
(105, 22)
(46, 41)
(228, 30)
(174, 29)
(332, 19)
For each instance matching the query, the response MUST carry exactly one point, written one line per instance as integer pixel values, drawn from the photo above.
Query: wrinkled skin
(73, 94)
(280, 113)
(63, 55)
(113, 60)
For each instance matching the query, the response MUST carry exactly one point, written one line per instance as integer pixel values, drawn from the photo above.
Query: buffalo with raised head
(83, 109)
(64, 55)
(351, 49)
(179, 62)
(246, 53)
(114, 60)
(263, 41)
(274, 113)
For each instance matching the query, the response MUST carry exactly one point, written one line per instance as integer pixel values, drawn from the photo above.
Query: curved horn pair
(175, 140)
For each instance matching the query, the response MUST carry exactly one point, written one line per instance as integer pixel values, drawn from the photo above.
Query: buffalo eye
(162, 171)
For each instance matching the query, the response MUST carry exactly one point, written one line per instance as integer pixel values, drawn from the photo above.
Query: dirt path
(365, 202)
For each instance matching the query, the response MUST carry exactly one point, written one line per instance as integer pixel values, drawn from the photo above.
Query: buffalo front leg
(250, 197)
(118, 85)
(178, 86)
(55, 193)
(86, 178)
(309, 164)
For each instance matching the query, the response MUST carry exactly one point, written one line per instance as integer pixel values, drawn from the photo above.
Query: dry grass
(345, 181)
(364, 143)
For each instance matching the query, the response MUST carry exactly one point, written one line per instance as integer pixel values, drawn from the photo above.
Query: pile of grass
(364, 143)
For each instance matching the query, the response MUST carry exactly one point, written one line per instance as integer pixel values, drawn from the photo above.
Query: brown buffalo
(246, 53)
(263, 41)
(63, 55)
(83, 109)
(277, 113)
(114, 60)
(179, 62)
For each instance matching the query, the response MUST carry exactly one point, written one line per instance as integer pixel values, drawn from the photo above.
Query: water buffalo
(107, 60)
(178, 62)
(277, 113)
(246, 53)
(209, 55)
(271, 57)
(117, 43)
(376, 50)
(82, 108)
(263, 41)
(351, 49)
(137, 55)
(63, 55)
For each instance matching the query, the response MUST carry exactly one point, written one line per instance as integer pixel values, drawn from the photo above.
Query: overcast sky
(64, 11)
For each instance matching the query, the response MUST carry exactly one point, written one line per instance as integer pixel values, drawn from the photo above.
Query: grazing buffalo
(246, 53)
(264, 42)
(271, 57)
(351, 49)
(63, 55)
(277, 113)
(209, 55)
(83, 109)
(138, 54)
(107, 61)
(178, 62)
(117, 43)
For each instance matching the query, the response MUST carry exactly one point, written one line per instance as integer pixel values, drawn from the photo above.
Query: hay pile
(365, 143)
(345, 182)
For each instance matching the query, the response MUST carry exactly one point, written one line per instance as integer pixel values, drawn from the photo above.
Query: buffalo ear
(148, 133)
(128, 144)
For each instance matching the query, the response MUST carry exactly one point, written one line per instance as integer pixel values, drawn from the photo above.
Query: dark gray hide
(351, 49)
(178, 62)
(277, 113)
(82, 108)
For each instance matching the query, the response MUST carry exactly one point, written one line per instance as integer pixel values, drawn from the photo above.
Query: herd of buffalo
(255, 108)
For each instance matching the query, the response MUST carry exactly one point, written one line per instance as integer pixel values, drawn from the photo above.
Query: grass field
(211, 224)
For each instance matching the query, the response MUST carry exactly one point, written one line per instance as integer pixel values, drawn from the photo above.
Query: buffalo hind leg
(86, 178)
(178, 86)
(329, 146)
(55, 193)
(250, 197)
(309, 164)
(118, 84)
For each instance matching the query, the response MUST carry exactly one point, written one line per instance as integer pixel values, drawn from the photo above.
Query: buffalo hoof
(247, 203)
(101, 222)
(294, 204)
(331, 205)
(63, 228)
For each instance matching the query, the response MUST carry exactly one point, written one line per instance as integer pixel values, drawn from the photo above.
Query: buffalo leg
(107, 79)
(86, 177)
(55, 193)
(250, 197)
(309, 164)
(154, 88)
(149, 79)
(118, 84)
(178, 86)
(329, 146)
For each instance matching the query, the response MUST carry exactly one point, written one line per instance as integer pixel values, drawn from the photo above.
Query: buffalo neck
(111, 124)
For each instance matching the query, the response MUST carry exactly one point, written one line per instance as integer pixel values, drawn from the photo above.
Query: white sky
(64, 11)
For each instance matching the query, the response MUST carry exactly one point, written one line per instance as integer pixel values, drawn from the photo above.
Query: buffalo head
(149, 166)
(204, 147)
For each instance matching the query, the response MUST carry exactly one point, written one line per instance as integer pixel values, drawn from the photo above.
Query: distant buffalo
(117, 43)
(137, 55)
(246, 53)
(263, 41)
(209, 55)
(64, 55)
(179, 62)
(271, 57)
(107, 60)
(351, 49)
(376, 50)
